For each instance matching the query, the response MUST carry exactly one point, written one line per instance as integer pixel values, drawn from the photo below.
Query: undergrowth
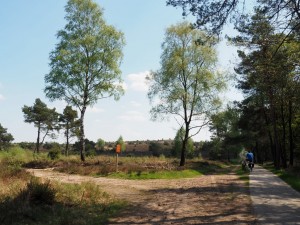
(290, 175)
(28, 200)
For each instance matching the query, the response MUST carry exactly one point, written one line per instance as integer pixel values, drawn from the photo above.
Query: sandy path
(213, 199)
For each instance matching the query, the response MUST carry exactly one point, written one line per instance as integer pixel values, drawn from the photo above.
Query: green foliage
(100, 144)
(15, 156)
(186, 84)
(178, 141)
(157, 149)
(70, 124)
(158, 175)
(38, 193)
(227, 137)
(5, 138)
(84, 66)
(210, 15)
(271, 91)
(290, 176)
(214, 149)
(121, 142)
(54, 153)
(45, 119)
(90, 147)
(27, 145)
(51, 203)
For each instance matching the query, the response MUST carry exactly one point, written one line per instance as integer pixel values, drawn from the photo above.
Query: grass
(47, 203)
(26, 200)
(141, 167)
(290, 176)
(243, 174)
(188, 173)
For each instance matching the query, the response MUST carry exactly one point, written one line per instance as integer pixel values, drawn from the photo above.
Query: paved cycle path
(274, 202)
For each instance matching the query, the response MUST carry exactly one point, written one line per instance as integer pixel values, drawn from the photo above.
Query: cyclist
(250, 159)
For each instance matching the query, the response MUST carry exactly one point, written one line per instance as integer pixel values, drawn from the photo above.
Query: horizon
(28, 37)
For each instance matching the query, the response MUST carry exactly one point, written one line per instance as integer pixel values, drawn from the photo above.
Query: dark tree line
(268, 76)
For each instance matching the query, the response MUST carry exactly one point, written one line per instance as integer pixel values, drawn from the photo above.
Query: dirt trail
(213, 199)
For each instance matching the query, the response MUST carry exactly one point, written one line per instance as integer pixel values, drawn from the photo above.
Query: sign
(118, 149)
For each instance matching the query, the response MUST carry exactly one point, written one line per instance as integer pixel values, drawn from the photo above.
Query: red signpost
(118, 150)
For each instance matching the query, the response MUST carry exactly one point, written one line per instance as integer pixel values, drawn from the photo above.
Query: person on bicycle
(250, 159)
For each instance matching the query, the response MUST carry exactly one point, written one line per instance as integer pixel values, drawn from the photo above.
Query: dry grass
(25, 200)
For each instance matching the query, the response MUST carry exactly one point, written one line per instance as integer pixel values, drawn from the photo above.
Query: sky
(28, 35)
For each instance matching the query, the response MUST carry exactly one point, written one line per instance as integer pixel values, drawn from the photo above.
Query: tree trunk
(291, 139)
(67, 136)
(38, 140)
(184, 145)
(272, 149)
(82, 137)
(276, 141)
(183, 151)
(283, 155)
(257, 154)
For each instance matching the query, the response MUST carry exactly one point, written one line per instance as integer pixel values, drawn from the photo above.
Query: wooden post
(117, 162)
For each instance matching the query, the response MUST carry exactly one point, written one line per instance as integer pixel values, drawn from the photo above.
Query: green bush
(37, 193)
(54, 153)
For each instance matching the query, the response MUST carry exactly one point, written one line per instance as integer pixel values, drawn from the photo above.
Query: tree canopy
(5, 138)
(70, 124)
(44, 118)
(85, 62)
(270, 108)
(214, 14)
(187, 84)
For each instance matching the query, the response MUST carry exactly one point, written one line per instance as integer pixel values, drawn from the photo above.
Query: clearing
(208, 199)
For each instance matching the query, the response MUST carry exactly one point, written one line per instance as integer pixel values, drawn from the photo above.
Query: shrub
(37, 193)
(55, 152)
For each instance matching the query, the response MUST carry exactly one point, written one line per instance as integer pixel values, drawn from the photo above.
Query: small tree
(5, 138)
(70, 124)
(178, 141)
(45, 119)
(100, 144)
(122, 143)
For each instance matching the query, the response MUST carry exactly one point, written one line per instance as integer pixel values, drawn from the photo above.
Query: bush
(54, 153)
(156, 149)
(27, 145)
(37, 193)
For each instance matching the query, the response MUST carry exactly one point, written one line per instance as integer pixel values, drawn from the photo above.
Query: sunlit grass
(243, 174)
(157, 175)
(290, 176)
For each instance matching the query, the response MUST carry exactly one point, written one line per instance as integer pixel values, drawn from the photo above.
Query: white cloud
(133, 116)
(135, 104)
(95, 110)
(2, 97)
(137, 81)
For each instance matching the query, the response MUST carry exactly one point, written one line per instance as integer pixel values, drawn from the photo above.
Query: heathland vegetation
(84, 67)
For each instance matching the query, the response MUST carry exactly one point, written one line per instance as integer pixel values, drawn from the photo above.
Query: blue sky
(28, 34)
